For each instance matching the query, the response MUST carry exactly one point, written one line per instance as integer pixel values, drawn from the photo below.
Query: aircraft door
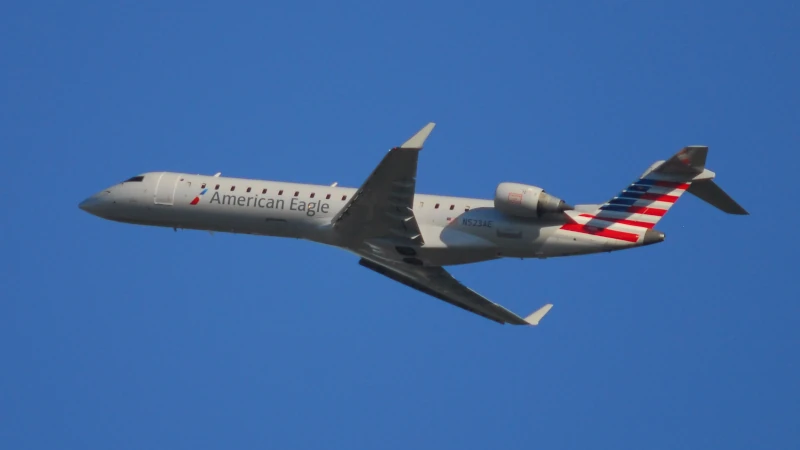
(165, 189)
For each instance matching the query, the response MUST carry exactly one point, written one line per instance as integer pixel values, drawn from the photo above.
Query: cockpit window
(136, 178)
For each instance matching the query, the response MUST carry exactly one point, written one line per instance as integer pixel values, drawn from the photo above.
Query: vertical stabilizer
(645, 201)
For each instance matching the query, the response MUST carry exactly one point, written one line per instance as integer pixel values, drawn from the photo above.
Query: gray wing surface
(438, 283)
(382, 206)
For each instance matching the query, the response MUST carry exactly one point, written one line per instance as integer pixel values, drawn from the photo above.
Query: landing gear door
(165, 189)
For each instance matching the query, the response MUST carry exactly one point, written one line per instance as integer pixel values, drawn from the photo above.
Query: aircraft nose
(96, 204)
(87, 205)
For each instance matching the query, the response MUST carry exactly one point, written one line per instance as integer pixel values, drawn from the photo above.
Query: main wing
(437, 282)
(382, 206)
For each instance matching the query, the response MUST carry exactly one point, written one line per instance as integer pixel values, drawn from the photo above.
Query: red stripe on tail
(647, 211)
(659, 198)
(602, 232)
(633, 223)
(672, 184)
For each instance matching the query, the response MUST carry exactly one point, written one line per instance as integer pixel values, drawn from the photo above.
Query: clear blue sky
(126, 337)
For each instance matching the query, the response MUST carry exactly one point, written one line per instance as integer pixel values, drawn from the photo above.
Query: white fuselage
(455, 230)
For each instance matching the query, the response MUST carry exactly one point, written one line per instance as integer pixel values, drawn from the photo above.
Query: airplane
(410, 237)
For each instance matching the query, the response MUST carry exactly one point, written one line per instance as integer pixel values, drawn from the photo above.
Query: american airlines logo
(197, 199)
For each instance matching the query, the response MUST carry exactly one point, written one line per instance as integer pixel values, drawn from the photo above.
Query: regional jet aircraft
(410, 237)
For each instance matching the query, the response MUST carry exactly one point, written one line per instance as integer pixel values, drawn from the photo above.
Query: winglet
(418, 139)
(534, 318)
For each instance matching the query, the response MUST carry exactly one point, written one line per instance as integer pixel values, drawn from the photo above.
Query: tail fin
(645, 201)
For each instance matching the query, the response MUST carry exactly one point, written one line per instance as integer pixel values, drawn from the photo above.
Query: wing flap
(383, 205)
(410, 282)
(438, 283)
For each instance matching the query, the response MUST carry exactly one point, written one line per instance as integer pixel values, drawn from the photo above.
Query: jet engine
(527, 201)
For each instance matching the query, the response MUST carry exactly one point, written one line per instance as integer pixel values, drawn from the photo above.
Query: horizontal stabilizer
(534, 318)
(709, 192)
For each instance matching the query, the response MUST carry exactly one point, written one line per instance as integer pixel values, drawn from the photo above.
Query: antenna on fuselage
(334, 184)
(216, 175)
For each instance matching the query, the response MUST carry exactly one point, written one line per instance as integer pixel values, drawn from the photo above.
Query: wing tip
(418, 139)
(537, 315)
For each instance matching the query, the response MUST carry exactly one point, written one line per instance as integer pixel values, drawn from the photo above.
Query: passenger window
(264, 191)
(232, 188)
(452, 206)
(216, 188)
(312, 195)
(248, 189)
(203, 186)
(280, 192)
(344, 197)
(436, 207)
(296, 193)
(328, 197)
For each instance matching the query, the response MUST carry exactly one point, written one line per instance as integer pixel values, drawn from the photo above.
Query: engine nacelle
(522, 200)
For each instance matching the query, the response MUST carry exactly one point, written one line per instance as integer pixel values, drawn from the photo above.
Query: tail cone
(652, 237)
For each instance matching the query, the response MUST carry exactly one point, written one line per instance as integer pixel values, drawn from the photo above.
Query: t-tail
(639, 207)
